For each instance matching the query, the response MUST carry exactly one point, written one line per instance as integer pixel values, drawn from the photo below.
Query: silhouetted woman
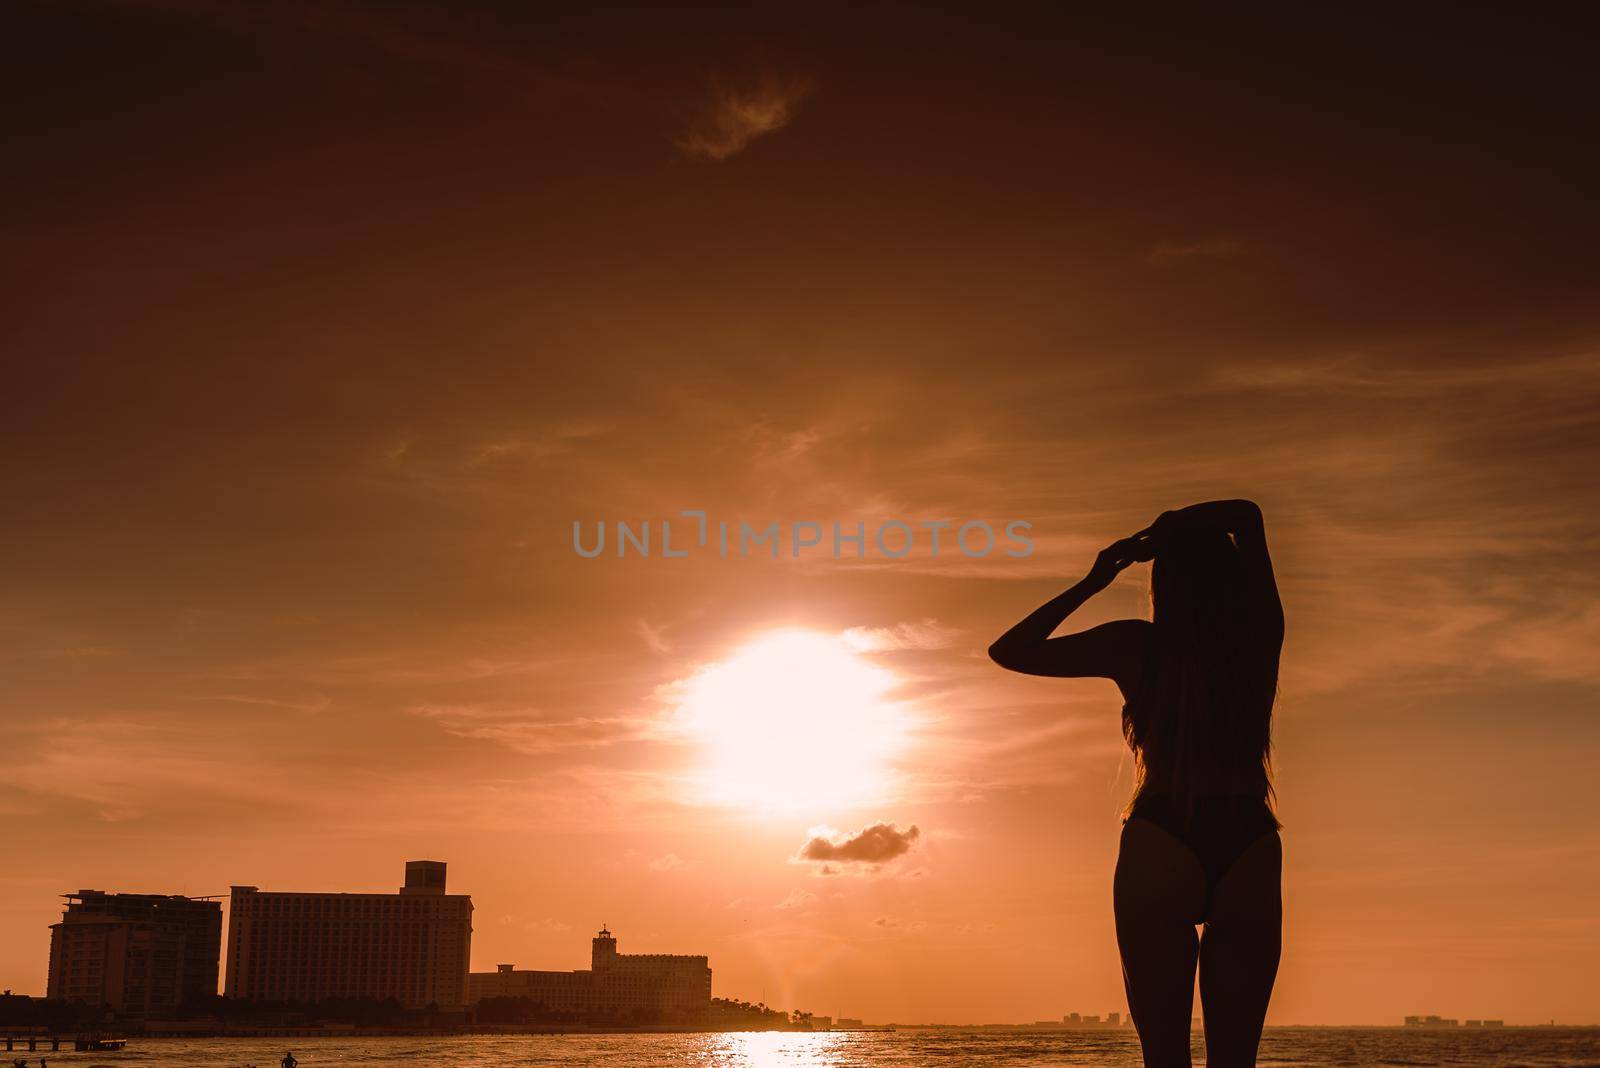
(1200, 844)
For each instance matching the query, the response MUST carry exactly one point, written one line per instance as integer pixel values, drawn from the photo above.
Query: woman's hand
(1116, 556)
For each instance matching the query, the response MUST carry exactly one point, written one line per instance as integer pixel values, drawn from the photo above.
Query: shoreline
(339, 1031)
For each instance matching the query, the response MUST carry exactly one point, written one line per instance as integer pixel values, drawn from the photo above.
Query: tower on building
(424, 877)
(605, 951)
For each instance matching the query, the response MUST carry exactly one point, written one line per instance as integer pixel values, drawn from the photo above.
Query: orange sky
(323, 330)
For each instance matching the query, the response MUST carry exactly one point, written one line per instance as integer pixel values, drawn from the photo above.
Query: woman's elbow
(1003, 654)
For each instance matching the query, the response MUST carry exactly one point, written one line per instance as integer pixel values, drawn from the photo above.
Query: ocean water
(952, 1048)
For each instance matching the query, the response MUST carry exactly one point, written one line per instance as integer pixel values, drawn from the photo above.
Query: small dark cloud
(877, 844)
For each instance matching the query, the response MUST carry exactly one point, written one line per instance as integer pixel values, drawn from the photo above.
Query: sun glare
(796, 721)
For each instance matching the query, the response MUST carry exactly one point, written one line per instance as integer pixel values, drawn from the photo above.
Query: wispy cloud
(122, 771)
(921, 635)
(797, 899)
(1214, 248)
(652, 636)
(426, 34)
(1365, 374)
(736, 115)
(526, 732)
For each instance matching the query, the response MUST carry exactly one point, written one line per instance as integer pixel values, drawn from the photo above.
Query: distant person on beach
(1200, 843)
(288, 1061)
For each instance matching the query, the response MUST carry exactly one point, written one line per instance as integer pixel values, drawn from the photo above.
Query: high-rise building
(412, 946)
(655, 987)
(141, 955)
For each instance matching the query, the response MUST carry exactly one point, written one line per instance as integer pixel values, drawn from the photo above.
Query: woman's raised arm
(1107, 651)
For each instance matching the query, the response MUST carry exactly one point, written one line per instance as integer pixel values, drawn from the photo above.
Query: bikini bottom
(1218, 828)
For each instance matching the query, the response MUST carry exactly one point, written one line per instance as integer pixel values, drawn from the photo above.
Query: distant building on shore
(141, 955)
(1445, 1021)
(413, 946)
(652, 987)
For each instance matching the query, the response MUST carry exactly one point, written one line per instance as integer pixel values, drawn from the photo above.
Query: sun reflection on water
(774, 1049)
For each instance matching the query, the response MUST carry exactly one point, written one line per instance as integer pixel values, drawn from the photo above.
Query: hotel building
(141, 955)
(412, 946)
(646, 987)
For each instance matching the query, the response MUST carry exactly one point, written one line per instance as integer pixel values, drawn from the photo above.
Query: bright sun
(794, 722)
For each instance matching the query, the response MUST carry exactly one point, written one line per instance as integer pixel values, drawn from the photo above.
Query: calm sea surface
(1282, 1046)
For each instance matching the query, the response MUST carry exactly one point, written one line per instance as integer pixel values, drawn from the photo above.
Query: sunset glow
(332, 321)
(794, 722)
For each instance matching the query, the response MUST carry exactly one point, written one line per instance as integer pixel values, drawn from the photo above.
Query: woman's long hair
(1202, 724)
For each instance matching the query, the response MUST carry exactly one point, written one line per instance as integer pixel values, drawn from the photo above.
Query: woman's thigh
(1239, 952)
(1159, 895)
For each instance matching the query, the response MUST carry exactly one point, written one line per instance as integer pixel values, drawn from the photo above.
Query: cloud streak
(1216, 248)
(922, 635)
(735, 116)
